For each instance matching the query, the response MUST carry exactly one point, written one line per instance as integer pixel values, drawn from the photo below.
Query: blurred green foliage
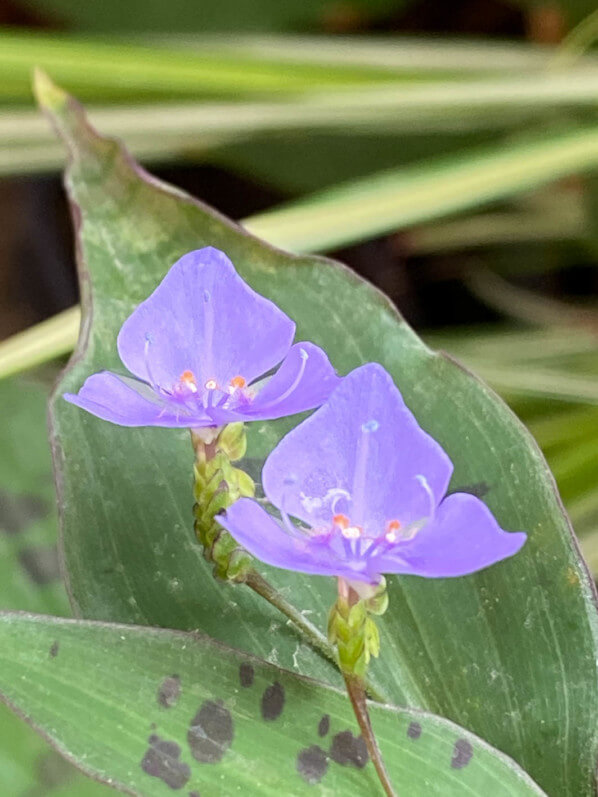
(30, 578)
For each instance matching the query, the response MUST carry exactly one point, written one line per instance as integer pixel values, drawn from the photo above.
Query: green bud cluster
(353, 630)
(218, 484)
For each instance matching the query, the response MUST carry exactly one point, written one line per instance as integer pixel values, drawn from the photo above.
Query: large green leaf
(509, 653)
(146, 709)
(29, 578)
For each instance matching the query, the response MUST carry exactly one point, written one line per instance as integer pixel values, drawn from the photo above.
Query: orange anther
(342, 521)
(188, 376)
(238, 381)
(391, 530)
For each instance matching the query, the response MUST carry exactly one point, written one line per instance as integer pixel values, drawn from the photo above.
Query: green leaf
(452, 114)
(296, 85)
(509, 653)
(45, 341)
(559, 356)
(422, 53)
(111, 697)
(29, 578)
(555, 362)
(421, 192)
(124, 70)
(185, 66)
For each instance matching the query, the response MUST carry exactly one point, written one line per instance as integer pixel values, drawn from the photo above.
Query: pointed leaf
(510, 652)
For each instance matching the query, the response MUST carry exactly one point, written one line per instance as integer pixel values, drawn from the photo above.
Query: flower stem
(313, 635)
(218, 484)
(356, 689)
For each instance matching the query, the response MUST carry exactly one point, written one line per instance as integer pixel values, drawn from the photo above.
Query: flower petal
(128, 402)
(363, 443)
(205, 319)
(304, 380)
(463, 537)
(261, 535)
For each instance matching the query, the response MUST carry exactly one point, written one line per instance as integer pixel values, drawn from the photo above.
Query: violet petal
(261, 535)
(363, 454)
(463, 537)
(205, 319)
(127, 402)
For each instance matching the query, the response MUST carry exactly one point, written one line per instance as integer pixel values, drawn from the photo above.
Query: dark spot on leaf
(54, 649)
(211, 732)
(246, 674)
(273, 701)
(462, 753)
(324, 725)
(162, 760)
(348, 749)
(479, 489)
(414, 731)
(312, 763)
(194, 794)
(41, 563)
(19, 511)
(169, 691)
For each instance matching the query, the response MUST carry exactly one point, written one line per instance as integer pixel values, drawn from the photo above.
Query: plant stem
(356, 689)
(313, 635)
(215, 450)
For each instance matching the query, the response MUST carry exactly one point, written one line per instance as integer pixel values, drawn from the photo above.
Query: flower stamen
(236, 383)
(352, 532)
(392, 527)
(147, 344)
(295, 384)
(187, 378)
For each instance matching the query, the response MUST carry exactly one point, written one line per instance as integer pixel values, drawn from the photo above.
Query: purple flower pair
(365, 483)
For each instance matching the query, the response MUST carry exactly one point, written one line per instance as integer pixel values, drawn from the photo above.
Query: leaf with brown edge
(509, 653)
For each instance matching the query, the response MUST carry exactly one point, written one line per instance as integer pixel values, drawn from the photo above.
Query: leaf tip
(49, 96)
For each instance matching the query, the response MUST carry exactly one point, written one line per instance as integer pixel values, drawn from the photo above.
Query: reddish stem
(356, 691)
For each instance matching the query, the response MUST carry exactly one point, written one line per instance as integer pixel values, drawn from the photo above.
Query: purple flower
(197, 346)
(369, 487)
